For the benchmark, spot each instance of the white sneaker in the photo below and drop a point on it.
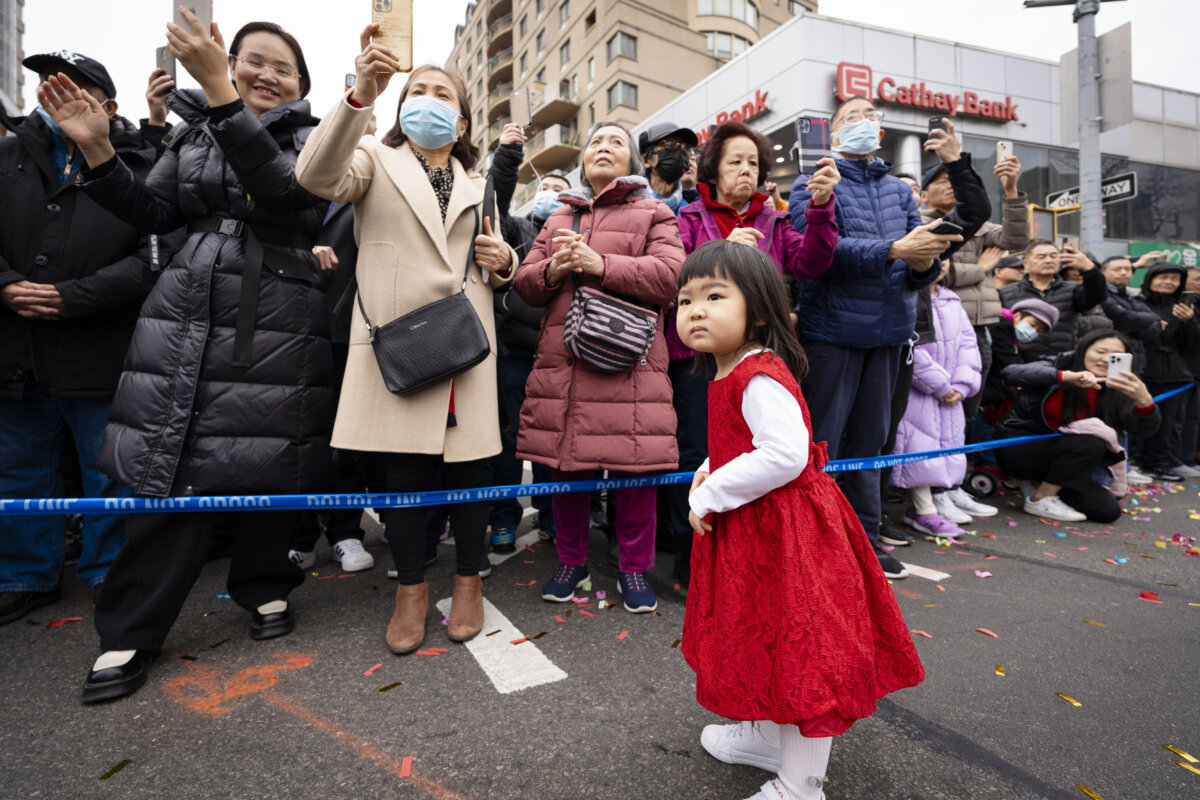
(1052, 507)
(961, 500)
(1028, 489)
(740, 743)
(773, 790)
(945, 506)
(1186, 471)
(302, 558)
(353, 556)
(1135, 477)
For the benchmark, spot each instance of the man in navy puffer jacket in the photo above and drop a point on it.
(856, 319)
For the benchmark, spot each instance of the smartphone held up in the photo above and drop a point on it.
(395, 21)
(202, 9)
(812, 143)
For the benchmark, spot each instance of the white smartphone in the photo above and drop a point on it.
(1119, 362)
(1003, 150)
(165, 61)
(395, 21)
(203, 9)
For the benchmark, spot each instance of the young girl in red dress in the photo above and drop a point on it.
(791, 625)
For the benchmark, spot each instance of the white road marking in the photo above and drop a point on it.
(510, 667)
(925, 572)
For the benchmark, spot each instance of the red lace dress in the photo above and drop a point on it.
(789, 616)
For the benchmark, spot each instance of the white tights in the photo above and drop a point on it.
(800, 758)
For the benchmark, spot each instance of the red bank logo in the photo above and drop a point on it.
(853, 79)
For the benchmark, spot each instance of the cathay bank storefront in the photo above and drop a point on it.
(1152, 133)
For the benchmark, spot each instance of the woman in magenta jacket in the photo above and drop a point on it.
(735, 163)
(576, 419)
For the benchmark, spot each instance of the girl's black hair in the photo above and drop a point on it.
(1112, 407)
(768, 317)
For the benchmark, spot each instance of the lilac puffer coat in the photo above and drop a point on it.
(952, 362)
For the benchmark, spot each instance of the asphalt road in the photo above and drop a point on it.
(296, 717)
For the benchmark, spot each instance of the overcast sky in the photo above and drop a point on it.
(124, 35)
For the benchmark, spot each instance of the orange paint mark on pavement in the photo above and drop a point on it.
(401, 769)
(203, 691)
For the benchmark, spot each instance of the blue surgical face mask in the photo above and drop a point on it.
(858, 138)
(429, 122)
(49, 120)
(1025, 331)
(545, 203)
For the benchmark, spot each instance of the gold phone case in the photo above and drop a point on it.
(395, 21)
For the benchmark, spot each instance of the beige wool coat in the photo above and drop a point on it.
(407, 257)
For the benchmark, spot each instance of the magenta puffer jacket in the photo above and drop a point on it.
(575, 417)
(952, 362)
(802, 255)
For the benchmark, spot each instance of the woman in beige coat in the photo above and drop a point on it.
(413, 196)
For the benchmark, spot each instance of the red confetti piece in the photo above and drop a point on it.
(921, 633)
(986, 632)
(299, 661)
(989, 558)
(432, 651)
(622, 634)
(1114, 563)
(58, 623)
(519, 641)
(348, 575)
(941, 588)
(1149, 597)
(372, 670)
(326, 577)
(1051, 555)
(586, 613)
(406, 766)
(1082, 548)
(559, 619)
(989, 536)
(531, 583)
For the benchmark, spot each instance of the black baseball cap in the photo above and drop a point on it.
(665, 130)
(931, 174)
(90, 68)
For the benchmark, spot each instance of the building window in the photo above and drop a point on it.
(479, 88)
(524, 63)
(479, 118)
(479, 57)
(622, 93)
(589, 20)
(591, 71)
(743, 10)
(479, 27)
(541, 6)
(468, 73)
(564, 13)
(794, 7)
(591, 115)
(523, 26)
(725, 45)
(540, 77)
(622, 44)
(575, 86)
(564, 53)
(541, 42)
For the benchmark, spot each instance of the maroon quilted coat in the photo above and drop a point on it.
(577, 418)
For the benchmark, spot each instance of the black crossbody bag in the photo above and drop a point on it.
(433, 343)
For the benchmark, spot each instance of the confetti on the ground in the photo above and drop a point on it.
(188, 658)
(303, 661)
(531, 583)
(1088, 792)
(120, 766)
(58, 623)
(930, 605)
(390, 686)
(981, 574)
(218, 644)
(1163, 545)
(223, 597)
(1051, 555)
(1149, 597)
(989, 536)
(587, 587)
(1187, 766)
(1113, 562)
(406, 766)
(372, 670)
(1070, 700)
(559, 619)
(493, 633)
(1181, 754)
(941, 588)
(622, 634)
(676, 643)
(520, 641)
(586, 613)
(540, 635)
(1097, 624)
(601, 595)
(986, 632)
(921, 633)
(433, 651)
(1000, 670)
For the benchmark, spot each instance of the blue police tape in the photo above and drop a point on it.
(293, 502)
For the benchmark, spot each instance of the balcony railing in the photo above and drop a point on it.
(500, 24)
(501, 93)
(504, 56)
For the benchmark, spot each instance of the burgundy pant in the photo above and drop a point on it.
(635, 525)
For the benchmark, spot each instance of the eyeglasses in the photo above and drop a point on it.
(673, 144)
(859, 116)
(283, 71)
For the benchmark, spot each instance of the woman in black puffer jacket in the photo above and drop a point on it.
(227, 386)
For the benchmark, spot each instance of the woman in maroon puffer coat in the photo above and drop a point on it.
(577, 419)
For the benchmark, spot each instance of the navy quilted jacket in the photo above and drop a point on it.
(865, 299)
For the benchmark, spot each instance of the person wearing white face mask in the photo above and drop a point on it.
(418, 202)
(857, 318)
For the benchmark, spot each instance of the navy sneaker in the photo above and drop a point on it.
(504, 540)
(639, 597)
(561, 588)
(485, 565)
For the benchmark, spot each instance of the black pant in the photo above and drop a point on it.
(161, 559)
(983, 338)
(689, 388)
(411, 472)
(1160, 449)
(1067, 461)
(898, 406)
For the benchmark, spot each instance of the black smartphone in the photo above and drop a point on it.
(812, 143)
(936, 124)
(946, 228)
(165, 61)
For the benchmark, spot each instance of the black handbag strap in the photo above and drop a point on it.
(466, 275)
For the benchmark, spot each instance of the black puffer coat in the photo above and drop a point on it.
(185, 418)
(1071, 300)
(517, 322)
(1168, 351)
(52, 232)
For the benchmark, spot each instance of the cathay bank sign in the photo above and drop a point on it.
(855, 79)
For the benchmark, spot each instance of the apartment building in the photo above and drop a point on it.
(12, 78)
(587, 60)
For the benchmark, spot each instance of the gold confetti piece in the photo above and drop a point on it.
(1000, 670)
(1088, 792)
(493, 633)
(127, 762)
(1097, 624)
(1182, 754)
(390, 686)
(1194, 604)
(1188, 767)
(676, 643)
(1070, 700)
(931, 605)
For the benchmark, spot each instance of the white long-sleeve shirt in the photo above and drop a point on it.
(780, 451)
